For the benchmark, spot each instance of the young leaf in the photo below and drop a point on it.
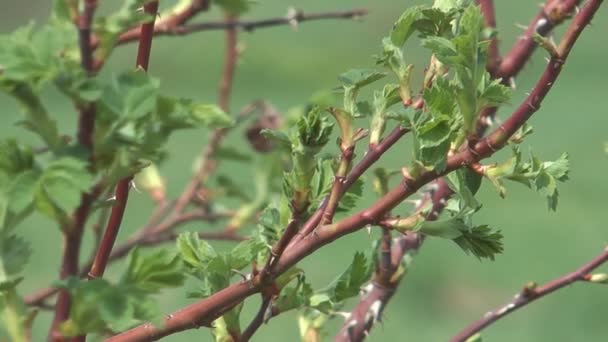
(481, 241)
(153, 272)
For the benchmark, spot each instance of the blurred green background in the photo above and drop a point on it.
(446, 289)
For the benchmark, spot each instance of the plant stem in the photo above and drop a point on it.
(86, 124)
(528, 295)
(489, 15)
(122, 188)
(178, 27)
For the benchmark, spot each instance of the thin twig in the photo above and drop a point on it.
(122, 189)
(257, 321)
(86, 124)
(293, 18)
(489, 15)
(529, 294)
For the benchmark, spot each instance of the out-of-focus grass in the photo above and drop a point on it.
(446, 289)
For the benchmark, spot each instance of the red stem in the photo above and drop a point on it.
(487, 8)
(86, 126)
(552, 14)
(122, 189)
(529, 295)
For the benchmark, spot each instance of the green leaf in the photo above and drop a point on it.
(194, 251)
(244, 253)
(450, 229)
(465, 183)
(492, 92)
(132, 95)
(98, 306)
(481, 241)
(541, 176)
(154, 272)
(293, 297)
(404, 27)
(432, 138)
(278, 138)
(22, 190)
(358, 78)
(15, 158)
(439, 99)
(346, 285)
(269, 226)
(14, 255)
(210, 115)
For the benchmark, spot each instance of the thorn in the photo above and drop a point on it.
(416, 203)
(488, 121)
(246, 277)
(367, 289)
(133, 186)
(542, 22)
(369, 230)
(113, 198)
(374, 311)
(512, 83)
(292, 17)
(344, 314)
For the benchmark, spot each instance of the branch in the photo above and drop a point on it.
(529, 294)
(86, 125)
(122, 189)
(176, 19)
(553, 13)
(259, 318)
(386, 280)
(489, 15)
(522, 50)
(356, 327)
(224, 92)
(205, 311)
(293, 18)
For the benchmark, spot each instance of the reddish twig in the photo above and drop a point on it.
(86, 125)
(489, 15)
(260, 317)
(122, 188)
(553, 13)
(168, 23)
(175, 27)
(529, 294)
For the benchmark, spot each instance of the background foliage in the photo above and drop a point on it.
(445, 290)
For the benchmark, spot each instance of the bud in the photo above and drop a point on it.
(150, 181)
(599, 278)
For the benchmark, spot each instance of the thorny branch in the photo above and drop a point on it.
(86, 124)
(530, 293)
(357, 332)
(176, 25)
(205, 311)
